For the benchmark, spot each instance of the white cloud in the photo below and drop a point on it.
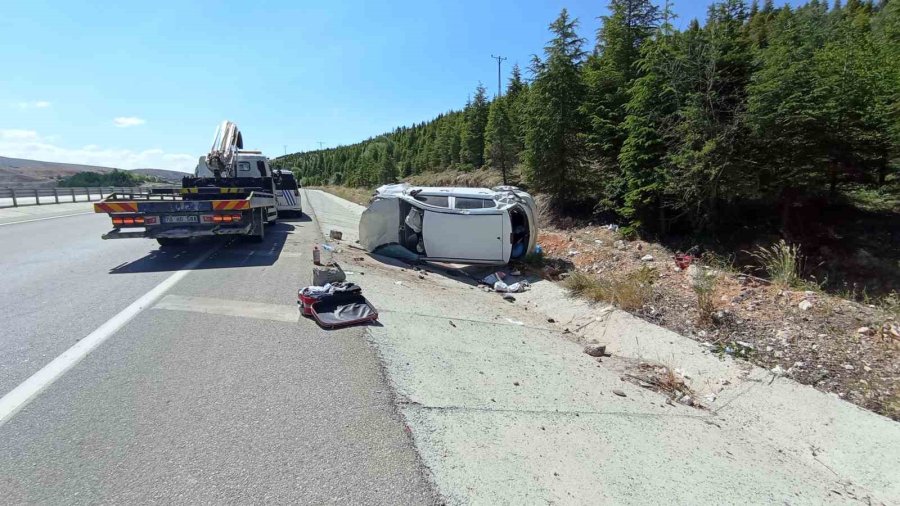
(16, 143)
(128, 121)
(37, 104)
(14, 134)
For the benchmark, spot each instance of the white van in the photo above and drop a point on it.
(287, 194)
(466, 225)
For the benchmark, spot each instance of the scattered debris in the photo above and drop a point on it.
(508, 297)
(452, 324)
(335, 234)
(502, 287)
(515, 322)
(660, 378)
(595, 350)
(619, 393)
(805, 305)
(335, 305)
(619, 245)
(515, 383)
(866, 331)
(325, 274)
(647, 258)
(551, 320)
(682, 261)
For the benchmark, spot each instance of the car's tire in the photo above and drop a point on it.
(172, 241)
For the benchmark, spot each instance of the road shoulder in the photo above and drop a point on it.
(505, 406)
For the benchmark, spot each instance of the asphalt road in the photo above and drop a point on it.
(214, 391)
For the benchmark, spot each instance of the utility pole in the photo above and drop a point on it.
(320, 143)
(285, 150)
(499, 62)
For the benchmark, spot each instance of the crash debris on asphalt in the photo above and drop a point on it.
(335, 305)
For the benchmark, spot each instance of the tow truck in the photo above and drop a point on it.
(232, 192)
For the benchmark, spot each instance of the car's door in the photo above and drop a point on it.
(475, 236)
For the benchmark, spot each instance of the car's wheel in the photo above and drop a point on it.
(172, 241)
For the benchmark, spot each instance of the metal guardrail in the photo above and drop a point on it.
(16, 197)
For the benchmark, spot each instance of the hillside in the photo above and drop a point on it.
(169, 176)
(22, 172)
(19, 172)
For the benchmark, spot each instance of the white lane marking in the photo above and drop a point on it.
(47, 218)
(246, 309)
(20, 396)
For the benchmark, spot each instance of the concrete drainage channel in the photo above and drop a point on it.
(507, 408)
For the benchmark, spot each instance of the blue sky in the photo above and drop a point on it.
(124, 85)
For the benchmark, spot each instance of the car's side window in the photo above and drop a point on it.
(243, 166)
(434, 200)
(471, 203)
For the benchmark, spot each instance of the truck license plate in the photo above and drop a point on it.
(180, 219)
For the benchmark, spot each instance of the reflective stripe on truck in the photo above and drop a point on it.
(117, 207)
(172, 206)
(230, 205)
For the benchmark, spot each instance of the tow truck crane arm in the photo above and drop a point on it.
(224, 150)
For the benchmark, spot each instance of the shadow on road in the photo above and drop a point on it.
(303, 218)
(233, 252)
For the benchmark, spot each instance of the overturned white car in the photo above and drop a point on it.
(466, 225)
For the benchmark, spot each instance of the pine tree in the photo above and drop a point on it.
(499, 139)
(854, 81)
(517, 103)
(608, 75)
(515, 84)
(472, 150)
(708, 162)
(781, 111)
(388, 170)
(553, 151)
(649, 127)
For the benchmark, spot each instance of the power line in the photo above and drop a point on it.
(499, 62)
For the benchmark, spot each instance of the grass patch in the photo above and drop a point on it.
(361, 196)
(782, 262)
(628, 292)
(704, 285)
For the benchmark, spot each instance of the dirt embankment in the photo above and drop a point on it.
(837, 345)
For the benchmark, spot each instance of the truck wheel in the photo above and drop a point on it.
(259, 230)
(171, 241)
